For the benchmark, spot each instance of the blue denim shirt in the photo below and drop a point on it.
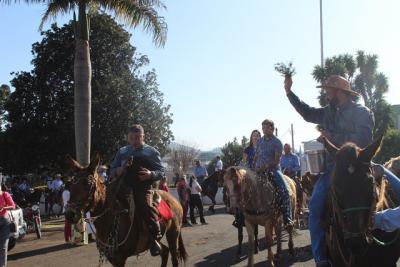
(290, 162)
(250, 152)
(265, 152)
(147, 152)
(200, 171)
(350, 123)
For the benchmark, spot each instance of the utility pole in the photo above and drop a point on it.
(292, 133)
(321, 32)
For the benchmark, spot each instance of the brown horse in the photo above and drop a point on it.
(210, 187)
(255, 198)
(354, 197)
(120, 234)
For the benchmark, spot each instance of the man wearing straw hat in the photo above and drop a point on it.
(341, 121)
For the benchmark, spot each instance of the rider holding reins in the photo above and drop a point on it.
(137, 148)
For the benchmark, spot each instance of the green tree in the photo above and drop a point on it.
(232, 152)
(390, 146)
(41, 109)
(364, 77)
(4, 94)
(133, 13)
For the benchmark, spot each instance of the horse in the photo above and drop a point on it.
(355, 195)
(210, 187)
(120, 233)
(256, 199)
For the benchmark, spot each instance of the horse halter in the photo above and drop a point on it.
(343, 212)
(92, 188)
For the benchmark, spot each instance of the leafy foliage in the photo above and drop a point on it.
(40, 126)
(390, 146)
(287, 70)
(232, 152)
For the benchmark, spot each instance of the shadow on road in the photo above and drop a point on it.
(225, 257)
(40, 251)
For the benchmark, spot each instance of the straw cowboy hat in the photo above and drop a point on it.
(58, 175)
(338, 82)
(103, 167)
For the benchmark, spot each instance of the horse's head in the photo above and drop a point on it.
(353, 192)
(232, 181)
(82, 190)
(308, 181)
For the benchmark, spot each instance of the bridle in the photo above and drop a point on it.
(88, 205)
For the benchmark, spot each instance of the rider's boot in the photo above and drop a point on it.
(155, 236)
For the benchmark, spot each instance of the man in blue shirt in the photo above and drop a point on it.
(268, 154)
(290, 163)
(200, 172)
(138, 149)
(341, 121)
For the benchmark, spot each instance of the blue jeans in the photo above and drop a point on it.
(316, 208)
(283, 195)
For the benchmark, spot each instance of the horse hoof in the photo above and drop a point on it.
(237, 258)
(256, 251)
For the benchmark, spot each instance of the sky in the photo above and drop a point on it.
(217, 67)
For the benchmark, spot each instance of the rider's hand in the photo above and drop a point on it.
(145, 174)
(288, 84)
(1, 209)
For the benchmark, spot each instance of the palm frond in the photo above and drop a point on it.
(55, 8)
(140, 12)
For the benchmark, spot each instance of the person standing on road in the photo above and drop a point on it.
(183, 193)
(195, 200)
(6, 204)
(67, 225)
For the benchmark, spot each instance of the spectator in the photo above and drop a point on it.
(176, 179)
(183, 193)
(200, 172)
(163, 184)
(6, 204)
(24, 186)
(67, 225)
(195, 200)
(218, 164)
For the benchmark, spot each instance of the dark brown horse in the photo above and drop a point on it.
(120, 234)
(210, 187)
(354, 197)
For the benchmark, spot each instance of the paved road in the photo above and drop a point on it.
(209, 245)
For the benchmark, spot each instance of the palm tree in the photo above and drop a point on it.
(131, 12)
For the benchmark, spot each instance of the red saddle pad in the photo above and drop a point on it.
(165, 211)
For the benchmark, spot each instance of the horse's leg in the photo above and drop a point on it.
(250, 252)
(213, 204)
(277, 224)
(164, 255)
(256, 239)
(240, 239)
(173, 239)
(290, 242)
(269, 241)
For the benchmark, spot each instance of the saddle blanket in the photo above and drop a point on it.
(165, 211)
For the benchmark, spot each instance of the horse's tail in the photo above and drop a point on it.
(182, 250)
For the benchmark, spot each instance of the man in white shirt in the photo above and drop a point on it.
(195, 200)
(218, 164)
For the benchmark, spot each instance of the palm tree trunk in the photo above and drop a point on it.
(82, 91)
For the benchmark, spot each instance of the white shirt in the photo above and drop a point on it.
(218, 165)
(65, 198)
(193, 189)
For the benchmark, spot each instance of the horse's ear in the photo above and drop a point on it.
(331, 148)
(73, 164)
(94, 164)
(369, 152)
